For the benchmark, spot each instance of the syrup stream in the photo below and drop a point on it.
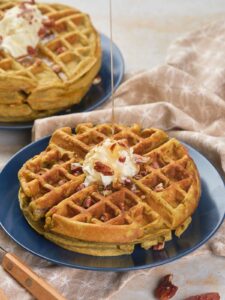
(112, 66)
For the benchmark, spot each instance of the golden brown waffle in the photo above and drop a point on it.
(109, 221)
(60, 73)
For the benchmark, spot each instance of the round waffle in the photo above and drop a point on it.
(60, 72)
(109, 221)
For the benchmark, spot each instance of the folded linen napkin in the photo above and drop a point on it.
(186, 96)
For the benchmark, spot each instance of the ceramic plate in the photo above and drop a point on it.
(97, 94)
(206, 220)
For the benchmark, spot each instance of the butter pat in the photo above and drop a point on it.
(19, 29)
(111, 161)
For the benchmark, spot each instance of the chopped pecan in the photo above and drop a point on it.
(122, 159)
(56, 68)
(97, 80)
(208, 296)
(42, 32)
(38, 62)
(158, 247)
(88, 202)
(102, 168)
(159, 187)
(26, 61)
(121, 205)
(133, 188)
(166, 289)
(127, 181)
(112, 146)
(31, 50)
(80, 187)
(49, 23)
(60, 50)
(141, 159)
(143, 173)
(105, 217)
(62, 181)
(76, 168)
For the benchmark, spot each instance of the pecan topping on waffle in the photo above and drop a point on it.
(102, 168)
(159, 187)
(122, 159)
(88, 202)
(141, 159)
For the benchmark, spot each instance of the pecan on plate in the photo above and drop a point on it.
(207, 296)
(166, 289)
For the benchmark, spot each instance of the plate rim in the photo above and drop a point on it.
(118, 54)
(116, 269)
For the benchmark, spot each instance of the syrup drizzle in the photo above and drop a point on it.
(112, 67)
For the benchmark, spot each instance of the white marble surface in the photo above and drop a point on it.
(143, 30)
(200, 276)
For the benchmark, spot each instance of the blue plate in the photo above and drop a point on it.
(97, 94)
(206, 220)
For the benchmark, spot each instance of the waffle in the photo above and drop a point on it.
(59, 74)
(97, 220)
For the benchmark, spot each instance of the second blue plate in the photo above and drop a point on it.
(97, 94)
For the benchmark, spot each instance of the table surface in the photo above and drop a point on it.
(143, 30)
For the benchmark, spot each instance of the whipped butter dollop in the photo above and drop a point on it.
(19, 29)
(109, 162)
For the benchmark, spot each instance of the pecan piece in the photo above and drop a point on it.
(158, 247)
(30, 50)
(122, 159)
(88, 202)
(141, 159)
(159, 187)
(207, 296)
(102, 168)
(60, 50)
(112, 146)
(42, 32)
(56, 68)
(97, 80)
(127, 181)
(105, 217)
(76, 168)
(49, 23)
(62, 181)
(80, 187)
(166, 289)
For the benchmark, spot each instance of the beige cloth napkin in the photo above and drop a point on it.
(186, 96)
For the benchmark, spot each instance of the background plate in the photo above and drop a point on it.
(97, 94)
(206, 220)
